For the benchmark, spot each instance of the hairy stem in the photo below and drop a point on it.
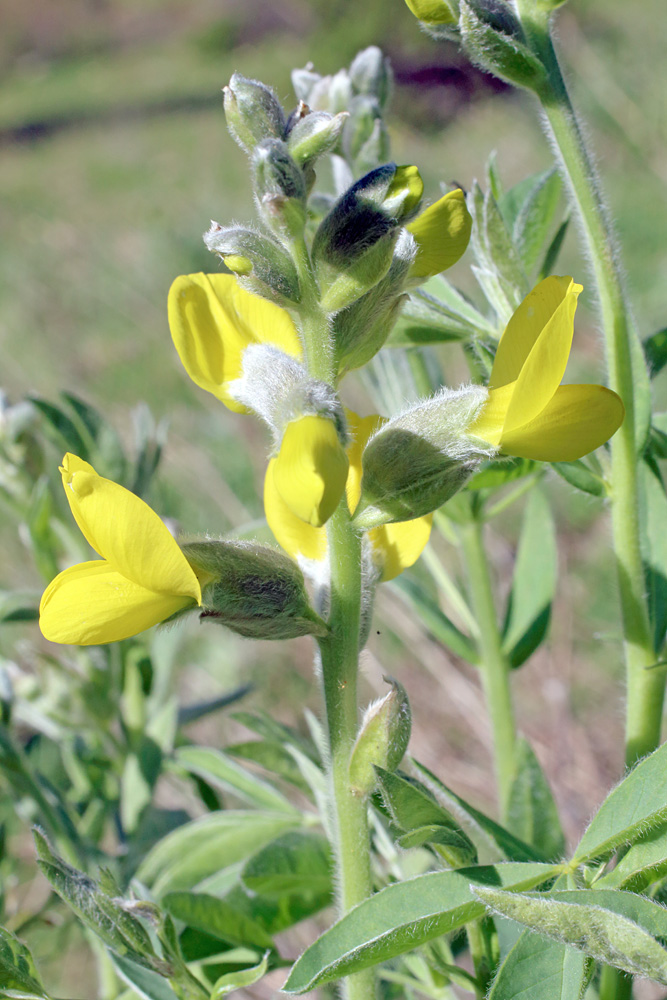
(494, 667)
(340, 656)
(645, 688)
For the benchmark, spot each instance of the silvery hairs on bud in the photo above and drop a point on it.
(419, 459)
(279, 389)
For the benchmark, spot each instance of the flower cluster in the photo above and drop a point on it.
(308, 301)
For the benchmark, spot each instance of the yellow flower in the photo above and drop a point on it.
(142, 578)
(212, 321)
(529, 413)
(310, 471)
(394, 546)
(433, 12)
(442, 233)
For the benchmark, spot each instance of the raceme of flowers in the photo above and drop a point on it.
(142, 578)
(529, 413)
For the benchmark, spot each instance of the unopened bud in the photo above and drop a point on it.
(370, 73)
(419, 459)
(434, 12)
(354, 245)
(253, 112)
(314, 134)
(311, 469)
(280, 187)
(259, 261)
(360, 330)
(365, 122)
(253, 590)
(499, 50)
(383, 738)
(303, 81)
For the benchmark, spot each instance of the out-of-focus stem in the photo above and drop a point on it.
(494, 666)
(645, 688)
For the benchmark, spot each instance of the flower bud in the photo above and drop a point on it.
(254, 590)
(311, 469)
(370, 73)
(383, 738)
(280, 188)
(303, 82)
(314, 134)
(434, 12)
(419, 459)
(253, 112)
(354, 245)
(360, 330)
(260, 262)
(499, 50)
(364, 124)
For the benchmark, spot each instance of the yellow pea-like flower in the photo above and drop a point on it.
(141, 579)
(529, 413)
(394, 546)
(212, 321)
(433, 12)
(311, 469)
(442, 233)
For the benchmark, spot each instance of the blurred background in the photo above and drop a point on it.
(113, 159)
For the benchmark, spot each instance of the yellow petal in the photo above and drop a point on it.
(311, 469)
(91, 603)
(442, 233)
(292, 534)
(398, 546)
(360, 429)
(212, 320)
(490, 422)
(126, 532)
(404, 193)
(576, 421)
(543, 369)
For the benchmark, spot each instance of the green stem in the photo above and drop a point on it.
(495, 668)
(339, 651)
(645, 688)
(340, 657)
(614, 984)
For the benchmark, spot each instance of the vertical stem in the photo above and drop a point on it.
(645, 688)
(495, 668)
(340, 656)
(339, 651)
(614, 984)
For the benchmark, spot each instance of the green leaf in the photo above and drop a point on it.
(637, 805)
(536, 216)
(423, 320)
(203, 847)
(494, 474)
(148, 984)
(532, 812)
(483, 831)
(17, 968)
(221, 771)
(140, 773)
(238, 980)
(273, 757)
(61, 428)
(553, 250)
(655, 351)
(501, 272)
(113, 923)
(39, 523)
(579, 475)
(433, 618)
(271, 729)
(415, 812)
(617, 928)
(534, 582)
(218, 917)
(439, 289)
(655, 552)
(402, 917)
(641, 865)
(297, 862)
(109, 456)
(540, 969)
